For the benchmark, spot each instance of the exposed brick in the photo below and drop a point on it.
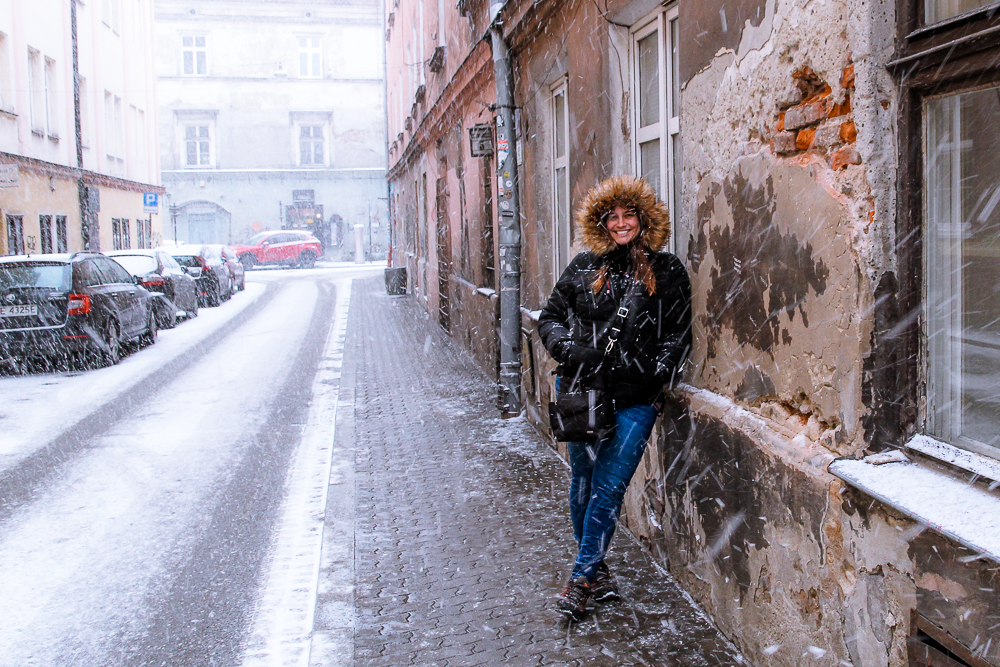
(845, 156)
(847, 80)
(783, 143)
(827, 134)
(806, 114)
(842, 108)
(780, 125)
(804, 139)
(848, 132)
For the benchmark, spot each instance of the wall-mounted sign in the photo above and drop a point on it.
(9, 176)
(481, 140)
(150, 202)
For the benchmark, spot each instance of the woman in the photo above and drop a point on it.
(624, 227)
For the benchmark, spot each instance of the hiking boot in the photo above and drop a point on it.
(573, 600)
(604, 588)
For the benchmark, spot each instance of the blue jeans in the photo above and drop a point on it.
(601, 474)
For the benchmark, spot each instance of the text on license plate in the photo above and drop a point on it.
(20, 310)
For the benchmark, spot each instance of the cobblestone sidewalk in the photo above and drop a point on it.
(462, 532)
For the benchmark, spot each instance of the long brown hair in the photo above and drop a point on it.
(639, 261)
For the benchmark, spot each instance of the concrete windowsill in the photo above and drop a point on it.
(937, 498)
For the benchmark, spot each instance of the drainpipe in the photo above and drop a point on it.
(81, 187)
(509, 225)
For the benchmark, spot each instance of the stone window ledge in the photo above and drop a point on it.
(943, 498)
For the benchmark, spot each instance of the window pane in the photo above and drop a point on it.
(314, 42)
(315, 65)
(189, 131)
(963, 276)
(202, 63)
(189, 62)
(187, 41)
(192, 153)
(939, 10)
(318, 152)
(305, 152)
(204, 152)
(675, 72)
(199, 41)
(302, 42)
(649, 163)
(303, 64)
(560, 124)
(203, 131)
(649, 80)
(563, 239)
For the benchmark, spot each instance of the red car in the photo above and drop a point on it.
(287, 247)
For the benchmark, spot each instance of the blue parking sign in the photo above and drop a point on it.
(150, 201)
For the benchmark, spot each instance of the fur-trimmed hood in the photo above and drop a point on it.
(627, 192)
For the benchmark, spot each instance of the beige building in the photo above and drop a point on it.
(271, 116)
(77, 126)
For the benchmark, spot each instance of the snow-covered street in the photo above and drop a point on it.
(140, 502)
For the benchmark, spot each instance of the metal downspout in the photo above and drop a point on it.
(81, 186)
(509, 225)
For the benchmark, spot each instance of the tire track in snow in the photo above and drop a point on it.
(27, 478)
(204, 618)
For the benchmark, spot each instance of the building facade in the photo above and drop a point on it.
(77, 126)
(824, 480)
(271, 118)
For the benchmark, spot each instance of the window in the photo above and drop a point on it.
(310, 58)
(116, 234)
(311, 145)
(657, 92)
(15, 235)
(950, 198)
(939, 10)
(62, 244)
(6, 89)
(197, 146)
(126, 235)
(113, 125)
(962, 218)
(50, 98)
(194, 55)
(111, 14)
(45, 232)
(36, 91)
(119, 129)
(562, 237)
(140, 234)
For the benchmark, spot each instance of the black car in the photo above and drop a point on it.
(57, 306)
(173, 289)
(206, 266)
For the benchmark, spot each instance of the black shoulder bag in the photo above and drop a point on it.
(582, 414)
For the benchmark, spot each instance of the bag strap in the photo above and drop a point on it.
(626, 307)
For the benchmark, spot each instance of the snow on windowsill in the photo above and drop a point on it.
(945, 503)
(486, 291)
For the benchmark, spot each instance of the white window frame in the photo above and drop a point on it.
(310, 56)
(198, 140)
(6, 88)
(946, 226)
(662, 22)
(36, 93)
(194, 50)
(311, 162)
(562, 220)
(51, 107)
(300, 119)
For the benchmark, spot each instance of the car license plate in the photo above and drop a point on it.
(21, 310)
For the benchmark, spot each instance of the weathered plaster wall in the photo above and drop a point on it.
(787, 228)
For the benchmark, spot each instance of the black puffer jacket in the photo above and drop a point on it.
(574, 325)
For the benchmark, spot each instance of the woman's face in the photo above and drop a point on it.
(623, 225)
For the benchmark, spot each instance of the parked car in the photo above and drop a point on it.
(82, 304)
(160, 273)
(288, 247)
(237, 274)
(206, 267)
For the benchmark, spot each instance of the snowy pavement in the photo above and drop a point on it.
(312, 474)
(140, 503)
